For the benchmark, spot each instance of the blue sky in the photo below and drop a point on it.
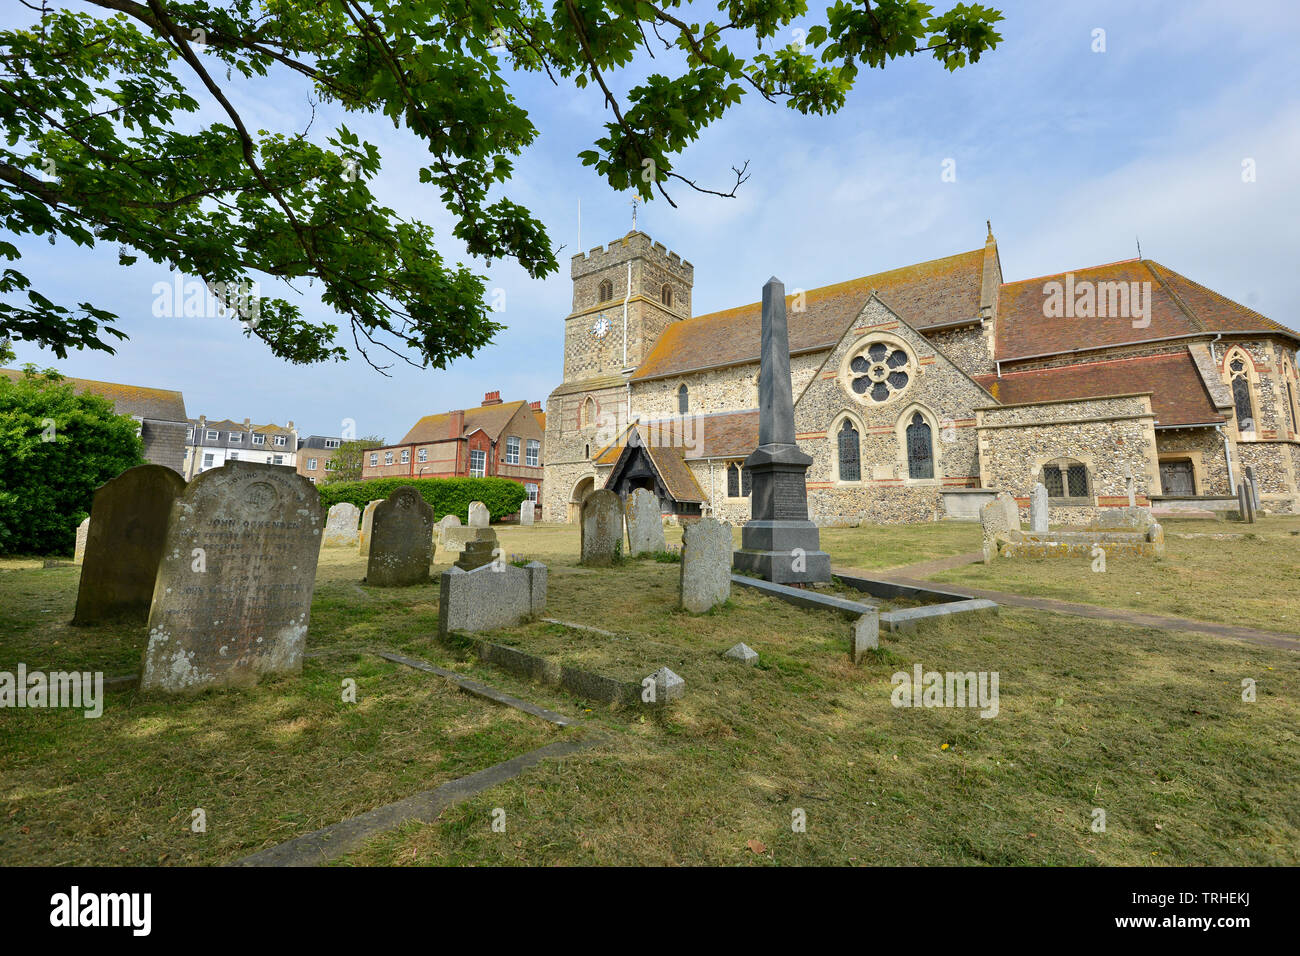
(1072, 154)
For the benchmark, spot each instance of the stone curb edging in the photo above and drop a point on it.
(334, 841)
(480, 689)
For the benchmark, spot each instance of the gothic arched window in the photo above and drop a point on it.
(920, 450)
(1241, 395)
(733, 480)
(849, 449)
(683, 400)
(666, 295)
(606, 290)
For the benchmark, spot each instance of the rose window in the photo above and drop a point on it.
(881, 372)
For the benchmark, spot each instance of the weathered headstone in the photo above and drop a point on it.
(744, 653)
(1254, 487)
(602, 527)
(480, 547)
(1135, 518)
(527, 512)
(1011, 509)
(1245, 503)
(490, 597)
(864, 635)
(779, 543)
(479, 516)
(994, 521)
(705, 578)
(401, 541)
(233, 595)
(79, 552)
(124, 544)
(367, 526)
(341, 526)
(1038, 509)
(448, 521)
(645, 524)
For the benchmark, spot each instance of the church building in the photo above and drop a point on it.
(922, 390)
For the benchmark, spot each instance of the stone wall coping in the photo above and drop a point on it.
(1139, 416)
(1062, 401)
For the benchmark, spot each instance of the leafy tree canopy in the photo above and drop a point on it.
(56, 447)
(347, 459)
(103, 144)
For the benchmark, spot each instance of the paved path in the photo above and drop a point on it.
(1254, 635)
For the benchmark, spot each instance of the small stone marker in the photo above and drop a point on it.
(1012, 510)
(125, 544)
(487, 598)
(705, 578)
(480, 548)
(479, 516)
(401, 541)
(1254, 487)
(865, 635)
(79, 552)
(367, 526)
(527, 512)
(668, 686)
(744, 653)
(233, 595)
(1245, 503)
(602, 527)
(1038, 509)
(994, 521)
(645, 525)
(341, 526)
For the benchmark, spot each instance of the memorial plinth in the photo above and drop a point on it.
(779, 543)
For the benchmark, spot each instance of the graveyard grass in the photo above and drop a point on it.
(1147, 725)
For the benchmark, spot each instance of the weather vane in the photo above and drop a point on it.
(635, 200)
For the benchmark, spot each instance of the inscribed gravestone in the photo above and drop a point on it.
(233, 595)
(80, 551)
(705, 579)
(125, 544)
(602, 527)
(341, 525)
(1038, 509)
(367, 526)
(401, 541)
(479, 516)
(645, 525)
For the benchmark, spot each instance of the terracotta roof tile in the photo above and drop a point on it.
(676, 474)
(491, 418)
(1178, 307)
(928, 293)
(156, 404)
(1179, 396)
(720, 435)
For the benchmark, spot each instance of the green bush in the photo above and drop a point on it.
(446, 496)
(56, 448)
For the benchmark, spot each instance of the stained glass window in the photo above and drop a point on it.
(920, 452)
(683, 400)
(733, 480)
(850, 468)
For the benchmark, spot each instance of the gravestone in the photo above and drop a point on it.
(341, 526)
(705, 578)
(668, 687)
(1245, 503)
(233, 595)
(487, 598)
(479, 516)
(779, 543)
(79, 552)
(1254, 487)
(994, 521)
(367, 526)
(1038, 509)
(401, 541)
(125, 543)
(645, 525)
(1011, 509)
(527, 512)
(448, 521)
(602, 527)
(480, 547)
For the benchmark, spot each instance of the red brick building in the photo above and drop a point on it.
(497, 439)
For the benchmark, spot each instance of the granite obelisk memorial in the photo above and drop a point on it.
(779, 543)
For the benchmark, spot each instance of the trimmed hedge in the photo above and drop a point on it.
(446, 496)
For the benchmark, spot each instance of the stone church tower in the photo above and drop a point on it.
(624, 296)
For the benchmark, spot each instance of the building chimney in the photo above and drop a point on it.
(456, 423)
(535, 406)
(492, 398)
(247, 422)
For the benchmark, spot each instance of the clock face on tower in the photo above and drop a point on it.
(601, 327)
